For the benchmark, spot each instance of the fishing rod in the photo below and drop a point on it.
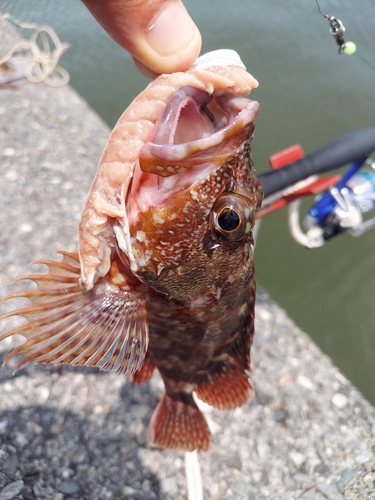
(342, 150)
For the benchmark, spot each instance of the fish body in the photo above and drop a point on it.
(165, 276)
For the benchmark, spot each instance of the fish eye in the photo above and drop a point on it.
(231, 217)
(228, 219)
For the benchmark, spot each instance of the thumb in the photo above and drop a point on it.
(159, 34)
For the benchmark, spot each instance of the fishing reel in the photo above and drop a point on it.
(339, 210)
(341, 201)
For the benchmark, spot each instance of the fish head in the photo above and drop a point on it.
(193, 198)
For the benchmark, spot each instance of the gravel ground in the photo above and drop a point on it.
(80, 434)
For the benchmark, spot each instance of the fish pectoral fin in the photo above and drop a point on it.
(226, 387)
(104, 327)
(177, 423)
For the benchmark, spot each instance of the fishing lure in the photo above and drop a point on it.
(337, 30)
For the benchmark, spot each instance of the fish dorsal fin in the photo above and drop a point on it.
(104, 327)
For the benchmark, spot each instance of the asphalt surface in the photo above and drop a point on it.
(81, 434)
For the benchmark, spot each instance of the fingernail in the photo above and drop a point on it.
(172, 31)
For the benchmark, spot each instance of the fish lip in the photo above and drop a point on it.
(177, 152)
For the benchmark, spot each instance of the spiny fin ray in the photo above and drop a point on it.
(104, 327)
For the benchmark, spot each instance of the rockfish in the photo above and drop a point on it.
(164, 276)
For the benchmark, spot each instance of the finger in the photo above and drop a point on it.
(145, 70)
(160, 34)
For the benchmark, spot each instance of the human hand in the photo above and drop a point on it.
(159, 34)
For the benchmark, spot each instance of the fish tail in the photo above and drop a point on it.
(177, 423)
(226, 386)
(104, 327)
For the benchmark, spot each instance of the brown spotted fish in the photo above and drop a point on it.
(164, 276)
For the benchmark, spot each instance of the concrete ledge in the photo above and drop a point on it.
(74, 433)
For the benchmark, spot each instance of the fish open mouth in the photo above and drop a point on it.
(195, 134)
(191, 126)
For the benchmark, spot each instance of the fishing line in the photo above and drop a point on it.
(337, 30)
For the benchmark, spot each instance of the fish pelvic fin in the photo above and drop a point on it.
(226, 386)
(145, 373)
(177, 423)
(105, 327)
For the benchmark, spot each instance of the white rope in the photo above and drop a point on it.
(193, 476)
(41, 63)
